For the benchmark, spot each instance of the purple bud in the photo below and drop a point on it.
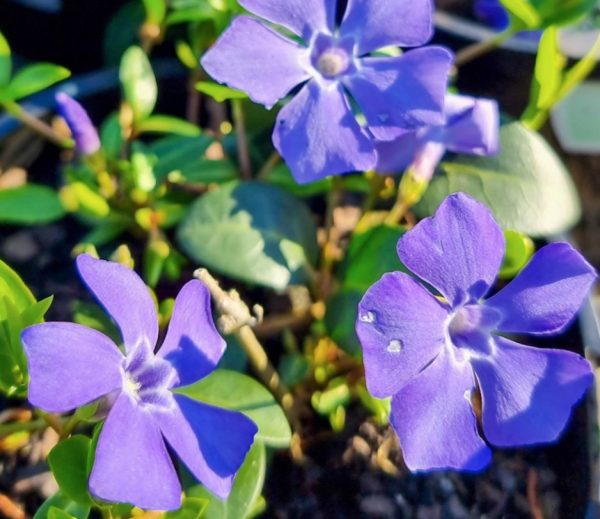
(86, 137)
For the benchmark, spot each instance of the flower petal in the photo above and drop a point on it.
(434, 419)
(379, 23)
(69, 365)
(251, 57)
(318, 136)
(124, 296)
(87, 140)
(473, 125)
(545, 297)
(407, 91)
(302, 17)
(401, 328)
(212, 442)
(192, 345)
(528, 392)
(132, 464)
(458, 251)
(396, 155)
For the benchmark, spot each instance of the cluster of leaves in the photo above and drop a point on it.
(179, 191)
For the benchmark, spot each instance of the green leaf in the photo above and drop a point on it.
(563, 12)
(519, 249)
(186, 55)
(191, 508)
(340, 320)
(5, 61)
(526, 186)
(293, 368)
(370, 255)
(57, 513)
(68, 462)
(168, 124)
(581, 70)
(246, 489)
(199, 13)
(155, 11)
(232, 390)
(138, 82)
(219, 93)
(30, 204)
(523, 13)
(251, 232)
(178, 154)
(63, 503)
(35, 78)
(111, 136)
(548, 68)
(13, 287)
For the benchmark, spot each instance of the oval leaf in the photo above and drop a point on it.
(35, 78)
(5, 61)
(246, 489)
(138, 82)
(526, 186)
(252, 232)
(232, 390)
(30, 204)
(68, 462)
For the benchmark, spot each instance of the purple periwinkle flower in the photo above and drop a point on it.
(71, 365)
(430, 355)
(471, 127)
(317, 132)
(493, 13)
(87, 141)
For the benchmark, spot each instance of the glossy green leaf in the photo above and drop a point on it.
(168, 124)
(178, 154)
(5, 61)
(519, 249)
(13, 287)
(246, 489)
(219, 93)
(252, 232)
(526, 185)
(30, 204)
(35, 78)
(522, 13)
(186, 55)
(548, 68)
(370, 255)
(201, 12)
(563, 12)
(68, 462)
(340, 320)
(142, 167)
(111, 136)
(191, 508)
(63, 503)
(155, 10)
(239, 392)
(138, 82)
(57, 513)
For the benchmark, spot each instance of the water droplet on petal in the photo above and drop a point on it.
(394, 346)
(368, 317)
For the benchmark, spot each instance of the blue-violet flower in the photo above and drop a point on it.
(71, 365)
(317, 132)
(471, 127)
(87, 141)
(432, 355)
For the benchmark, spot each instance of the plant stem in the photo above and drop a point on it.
(476, 50)
(14, 427)
(398, 211)
(69, 426)
(236, 318)
(268, 166)
(36, 125)
(239, 123)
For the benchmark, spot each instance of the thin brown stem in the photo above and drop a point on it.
(268, 166)
(239, 123)
(476, 50)
(36, 125)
